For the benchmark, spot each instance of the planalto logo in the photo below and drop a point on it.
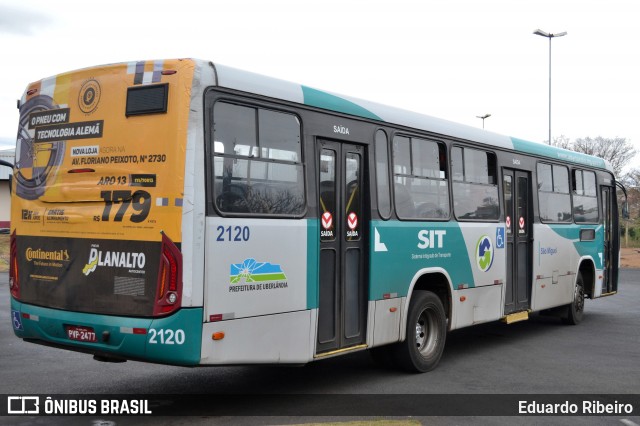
(252, 271)
(114, 259)
(484, 253)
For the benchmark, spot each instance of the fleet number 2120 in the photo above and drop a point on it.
(233, 233)
(166, 336)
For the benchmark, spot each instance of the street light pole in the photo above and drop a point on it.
(549, 36)
(483, 117)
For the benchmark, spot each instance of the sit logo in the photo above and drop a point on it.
(431, 238)
(484, 253)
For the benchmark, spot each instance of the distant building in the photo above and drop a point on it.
(5, 194)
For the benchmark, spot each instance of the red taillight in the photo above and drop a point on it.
(14, 283)
(169, 291)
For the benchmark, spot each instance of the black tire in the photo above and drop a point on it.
(575, 310)
(426, 334)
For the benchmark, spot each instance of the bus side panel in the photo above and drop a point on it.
(271, 339)
(557, 249)
(255, 267)
(400, 249)
(473, 254)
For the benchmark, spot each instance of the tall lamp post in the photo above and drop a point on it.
(549, 36)
(483, 118)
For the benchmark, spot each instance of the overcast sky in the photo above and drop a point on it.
(454, 59)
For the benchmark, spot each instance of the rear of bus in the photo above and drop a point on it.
(96, 262)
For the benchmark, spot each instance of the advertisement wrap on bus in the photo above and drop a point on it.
(188, 213)
(98, 193)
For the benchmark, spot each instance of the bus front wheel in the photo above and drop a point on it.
(426, 334)
(575, 310)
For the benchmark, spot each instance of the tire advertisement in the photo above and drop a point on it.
(99, 172)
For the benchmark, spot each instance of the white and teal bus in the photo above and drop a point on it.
(184, 212)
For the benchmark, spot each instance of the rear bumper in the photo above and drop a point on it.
(175, 339)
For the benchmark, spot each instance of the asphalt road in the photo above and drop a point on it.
(540, 356)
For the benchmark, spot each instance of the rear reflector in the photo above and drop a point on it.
(30, 316)
(130, 330)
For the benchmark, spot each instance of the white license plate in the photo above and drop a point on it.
(81, 334)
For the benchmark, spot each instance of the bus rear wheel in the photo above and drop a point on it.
(575, 310)
(426, 334)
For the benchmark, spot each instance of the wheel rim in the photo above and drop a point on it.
(426, 332)
(579, 298)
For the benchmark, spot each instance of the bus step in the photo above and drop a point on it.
(341, 351)
(515, 317)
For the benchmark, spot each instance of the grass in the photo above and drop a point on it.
(4, 253)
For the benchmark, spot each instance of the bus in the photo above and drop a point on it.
(187, 213)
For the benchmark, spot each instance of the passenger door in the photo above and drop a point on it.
(519, 235)
(609, 280)
(343, 228)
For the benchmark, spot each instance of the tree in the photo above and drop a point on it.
(617, 151)
(632, 178)
(562, 142)
(631, 181)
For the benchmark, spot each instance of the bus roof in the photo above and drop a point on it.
(271, 87)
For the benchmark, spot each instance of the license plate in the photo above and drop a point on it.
(81, 334)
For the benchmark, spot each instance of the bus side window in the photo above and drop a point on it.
(382, 175)
(475, 189)
(585, 199)
(257, 161)
(553, 193)
(420, 178)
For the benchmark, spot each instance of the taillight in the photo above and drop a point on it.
(169, 290)
(14, 283)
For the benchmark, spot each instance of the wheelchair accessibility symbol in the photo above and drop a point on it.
(15, 319)
(499, 238)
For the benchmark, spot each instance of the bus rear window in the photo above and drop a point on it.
(257, 161)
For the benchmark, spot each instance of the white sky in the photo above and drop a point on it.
(454, 59)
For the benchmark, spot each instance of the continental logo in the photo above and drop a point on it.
(39, 254)
(115, 259)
